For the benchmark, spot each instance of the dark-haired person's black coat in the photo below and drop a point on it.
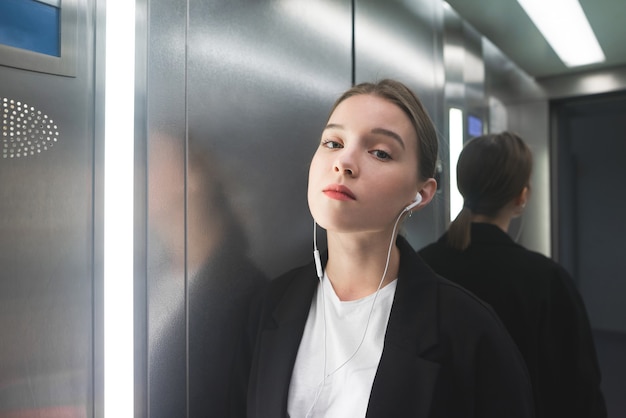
(445, 355)
(544, 313)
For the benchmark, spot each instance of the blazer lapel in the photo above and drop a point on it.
(405, 381)
(279, 342)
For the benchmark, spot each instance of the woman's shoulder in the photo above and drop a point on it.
(297, 279)
(455, 306)
(460, 306)
(303, 272)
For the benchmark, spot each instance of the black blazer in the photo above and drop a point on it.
(544, 313)
(446, 354)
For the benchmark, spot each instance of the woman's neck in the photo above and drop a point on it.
(356, 264)
(501, 221)
(503, 218)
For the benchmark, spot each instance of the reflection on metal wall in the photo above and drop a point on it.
(237, 96)
(46, 237)
(465, 82)
(402, 40)
(519, 104)
(487, 84)
(165, 235)
(236, 103)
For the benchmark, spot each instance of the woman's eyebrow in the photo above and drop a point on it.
(333, 126)
(390, 134)
(380, 131)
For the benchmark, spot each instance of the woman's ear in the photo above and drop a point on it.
(519, 203)
(428, 190)
(523, 197)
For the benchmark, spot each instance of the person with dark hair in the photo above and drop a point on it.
(534, 296)
(367, 329)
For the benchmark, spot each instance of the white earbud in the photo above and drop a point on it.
(316, 253)
(417, 201)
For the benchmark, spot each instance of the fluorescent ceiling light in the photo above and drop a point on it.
(566, 28)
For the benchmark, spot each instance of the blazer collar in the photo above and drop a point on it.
(405, 379)
(486, 233)
(404, 382)
(279, 342)
(414, 310)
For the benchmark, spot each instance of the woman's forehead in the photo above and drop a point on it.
(371, 113)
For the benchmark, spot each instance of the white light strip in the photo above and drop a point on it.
(118, 208)
(564, 25)
(456, 146)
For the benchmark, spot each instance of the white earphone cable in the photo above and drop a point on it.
(320, 386)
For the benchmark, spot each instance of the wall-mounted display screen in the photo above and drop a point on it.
(474, 126)
(31, 25)
(39, 35)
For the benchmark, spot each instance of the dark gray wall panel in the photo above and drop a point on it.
(46, 243)
(590, 154)
(402, 40)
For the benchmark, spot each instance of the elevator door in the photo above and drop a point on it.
(591, 150)
(591, 203)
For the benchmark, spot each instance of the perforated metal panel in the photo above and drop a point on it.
(26, 130)
(47, 226)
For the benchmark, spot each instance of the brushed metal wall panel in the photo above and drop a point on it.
(465, 81)
(403, 40)
(46, 245)
(166, 285)
(585, 84)
(505, 81)
(518, 103)
(485, 83)
(238, 92)
(261, 79)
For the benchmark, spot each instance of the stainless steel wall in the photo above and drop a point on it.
(464, 82)
(237, 95)
(47, 236)
(518, 103)
(233, 95)
(484, 82)
(403, 40)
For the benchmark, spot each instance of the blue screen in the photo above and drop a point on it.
(474, 126)
(28, 24)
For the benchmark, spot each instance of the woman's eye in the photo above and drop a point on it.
(329, 143)
(381, 155)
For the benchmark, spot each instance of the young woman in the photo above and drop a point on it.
(369, 330)
(534, 296)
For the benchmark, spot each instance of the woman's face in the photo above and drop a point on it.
(364, 172)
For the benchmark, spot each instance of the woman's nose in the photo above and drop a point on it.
(346, 164)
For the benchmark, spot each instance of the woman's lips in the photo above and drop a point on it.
(339, 192)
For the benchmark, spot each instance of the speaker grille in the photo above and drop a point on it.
(25, 130)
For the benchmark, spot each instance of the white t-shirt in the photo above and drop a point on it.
(346, 389)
